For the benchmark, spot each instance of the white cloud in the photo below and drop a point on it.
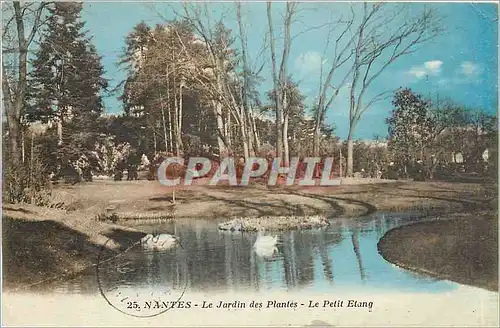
(470, 69)
(432, 67)
(418, 72)
(309, 62)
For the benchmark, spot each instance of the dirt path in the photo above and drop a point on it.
(143, 199)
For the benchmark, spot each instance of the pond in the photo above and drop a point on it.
(341, 256)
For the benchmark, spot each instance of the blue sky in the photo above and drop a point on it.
(461, 64)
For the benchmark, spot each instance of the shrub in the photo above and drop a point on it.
(26, 183)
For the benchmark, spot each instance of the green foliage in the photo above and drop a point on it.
(66, 79)
(26, 183)
(425, 136)
(65, 86)
(409, 126)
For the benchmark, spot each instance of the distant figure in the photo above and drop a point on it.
(144, 162)
(118, 171)
(132, 173)
(133, 162)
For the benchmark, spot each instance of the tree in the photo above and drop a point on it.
(382, 37)
(469, 132)
(429, 134)
(340, 55)
(16, 45)
(218, 79)
(299, 126)
(409, 127)
(248, 89)
(280, 77)
(67, 82)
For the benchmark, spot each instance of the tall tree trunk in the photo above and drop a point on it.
(14, 128)
(164, 123)
(286, 151)
(255, 134)
(32, 155)
(286, 154)
(340, 162)
(318, 120)
(179, 127)
(221, 142)
(244, 142)
(252, 145)
(176, 120)
(316, 140)
(350, 147)
(23, 141)
(60, 131)
(14, 117)
(277, 86)
(14, 97)
(13, 122)
(154, 140)
(228, 130)
(170, 142)
(249, 135)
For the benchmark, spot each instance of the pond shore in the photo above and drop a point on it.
(65, 241)
(461, 247)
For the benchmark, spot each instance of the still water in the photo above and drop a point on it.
(341, 256)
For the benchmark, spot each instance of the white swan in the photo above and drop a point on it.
(159, 242)
(265, 246)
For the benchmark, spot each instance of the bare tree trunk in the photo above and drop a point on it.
(23, 146)
(15, 117)
(13, 121)
(340, 161)
(369, 44)
(255, 133)
(286, 154)
(154, 140)
(286, 151)
(59, 131)
(277, 86)
(280, 80)
(316, 139)
(350, 147)
(14, 96)
(171, 146)
(164, 123)
(179, 128)
(244, 141)
(229, 137)
(221, 132)
(176, 120)
(248, 113)
(249, 136)
(31, 165)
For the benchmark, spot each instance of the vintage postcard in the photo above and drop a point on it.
(249, 164)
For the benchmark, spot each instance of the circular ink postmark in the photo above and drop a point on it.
(141, 284)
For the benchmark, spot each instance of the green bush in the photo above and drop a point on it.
(26, 183)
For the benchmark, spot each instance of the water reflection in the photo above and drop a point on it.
(343, 255)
